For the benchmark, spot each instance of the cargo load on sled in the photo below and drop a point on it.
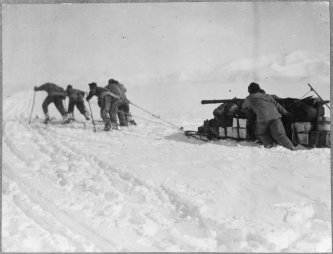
(308, 125)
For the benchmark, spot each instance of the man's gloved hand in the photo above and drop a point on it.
(35, 88)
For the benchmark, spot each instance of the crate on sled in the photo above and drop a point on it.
(239, 130)
(239, 122)
(300, 132)
(320, 139)
(301, 127)
(239, 133)
(225, 132)
(323, 124)
(300, 138)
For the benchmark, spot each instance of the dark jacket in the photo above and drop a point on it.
(123, 91)
(52, 89)
(100, 92)
(75, 95)
(113, 89)
(118, 89)
(264, 106)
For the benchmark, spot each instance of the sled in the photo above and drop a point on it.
(231, 122)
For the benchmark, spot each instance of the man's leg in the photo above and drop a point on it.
(58, 101)
(105, 108)
(45, 106)
(114, 102)
(279, 135)
(71, 105)
(46, 103)
(128, 115)
(121, 115)
(263, 136)
(80, 106)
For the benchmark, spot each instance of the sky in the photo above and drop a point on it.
(138, 43)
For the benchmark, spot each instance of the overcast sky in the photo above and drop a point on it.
(81, 43)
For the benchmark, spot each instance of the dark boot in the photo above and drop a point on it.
(65, 119)
(107, 126)
(132, 122)
(114, 126)
(47, 118)
(86, 115)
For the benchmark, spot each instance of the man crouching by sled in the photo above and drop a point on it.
(108, 103)
(268, 126)
(55, 94)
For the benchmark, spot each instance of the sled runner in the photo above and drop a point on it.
(196, 135)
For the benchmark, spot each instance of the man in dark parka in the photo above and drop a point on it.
(268, 126)
(108, 102)
(56, 95)
(76, 99)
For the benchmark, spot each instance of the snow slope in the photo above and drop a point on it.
(149, 188)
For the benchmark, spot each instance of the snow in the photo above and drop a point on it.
(150, 188)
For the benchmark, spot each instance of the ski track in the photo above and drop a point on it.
(52, 219)
(92, 204)
(38, 198)
(137, 188)
(133, 188)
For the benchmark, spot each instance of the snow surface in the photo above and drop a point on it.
(150, 188)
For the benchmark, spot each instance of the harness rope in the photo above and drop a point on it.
(158, 117)
(139, 117)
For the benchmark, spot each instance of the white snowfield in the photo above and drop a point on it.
(150, 188)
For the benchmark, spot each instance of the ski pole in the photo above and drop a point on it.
(92, 117)
(318, 96)
(158, 117)
(32, 107)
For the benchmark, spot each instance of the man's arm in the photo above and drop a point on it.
(90, 95)
(80, 92)
(246, 104)
(39, 88)
(280, 108)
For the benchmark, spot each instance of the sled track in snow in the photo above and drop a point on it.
(133, 190)
(76, 172)
(178, 208)
(65, 220)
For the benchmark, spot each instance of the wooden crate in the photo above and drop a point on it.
(302, 138)
(241, 133)
(320, 138)
(242, 122)
(323, 124)
(222, 132)
(303, 127)
(229, 132)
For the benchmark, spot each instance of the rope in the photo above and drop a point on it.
(158, 117)
(305, 95)
(162, 124)
(300, 99)
(318, 96)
